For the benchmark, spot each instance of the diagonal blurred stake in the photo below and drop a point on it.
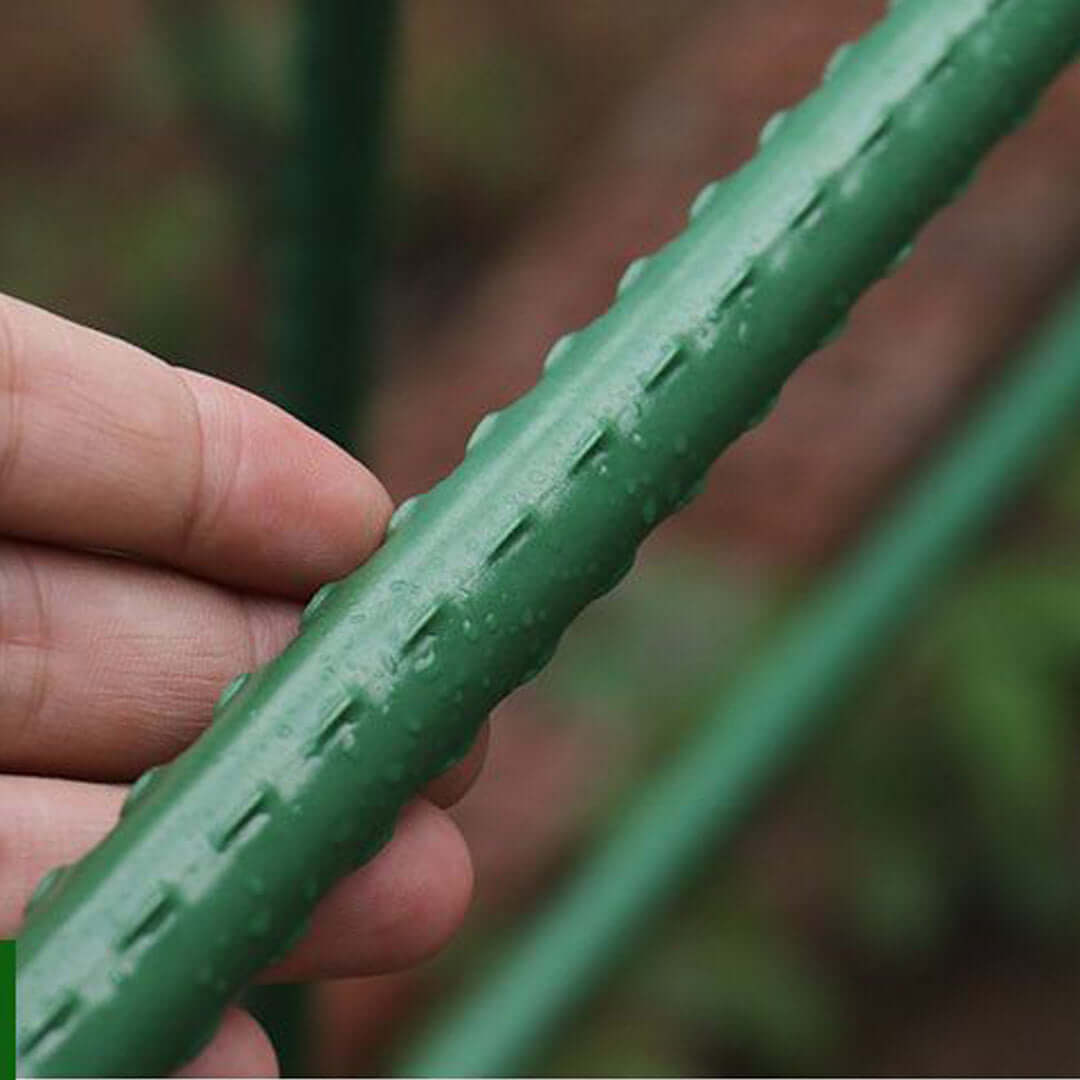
(128, 958)
(673, 829)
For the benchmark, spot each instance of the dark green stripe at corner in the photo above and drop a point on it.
(7, 1010)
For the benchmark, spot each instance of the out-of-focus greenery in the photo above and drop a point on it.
(940, 812)
(934, 823)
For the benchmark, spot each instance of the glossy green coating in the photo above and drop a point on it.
(128, 959)
(673, 829)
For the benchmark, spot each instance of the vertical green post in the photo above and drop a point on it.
(785, 698)
(322, 333)
(323, 330)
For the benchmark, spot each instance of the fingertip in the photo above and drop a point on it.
(394, 912)
(439, 891)
(131, 455)
(239, 1048)
(348, 514)
(452, 786)
(285, 509)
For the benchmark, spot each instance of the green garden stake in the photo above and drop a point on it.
(674, 826)
(127, 960)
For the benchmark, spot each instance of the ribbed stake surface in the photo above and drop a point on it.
(128, 958)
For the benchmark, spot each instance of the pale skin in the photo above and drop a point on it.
(229, 513)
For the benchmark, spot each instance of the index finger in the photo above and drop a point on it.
(105, 446)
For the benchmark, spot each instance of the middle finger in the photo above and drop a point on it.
(109, 666)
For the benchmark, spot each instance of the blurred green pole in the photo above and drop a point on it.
(322, 339)
(673, 830)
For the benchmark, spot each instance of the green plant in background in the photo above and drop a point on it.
(898, 801)
(976, 739)
(722, 981)
(217, 75)
(980, 747)
(224, 86)
(398, 664)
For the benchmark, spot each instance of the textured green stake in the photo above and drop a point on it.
(322, 336)
(672, 832)
(128, 957)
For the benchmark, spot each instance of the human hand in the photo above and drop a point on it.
(228, 514)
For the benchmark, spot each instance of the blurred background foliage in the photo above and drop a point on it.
(918, 871)
(907, 901)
